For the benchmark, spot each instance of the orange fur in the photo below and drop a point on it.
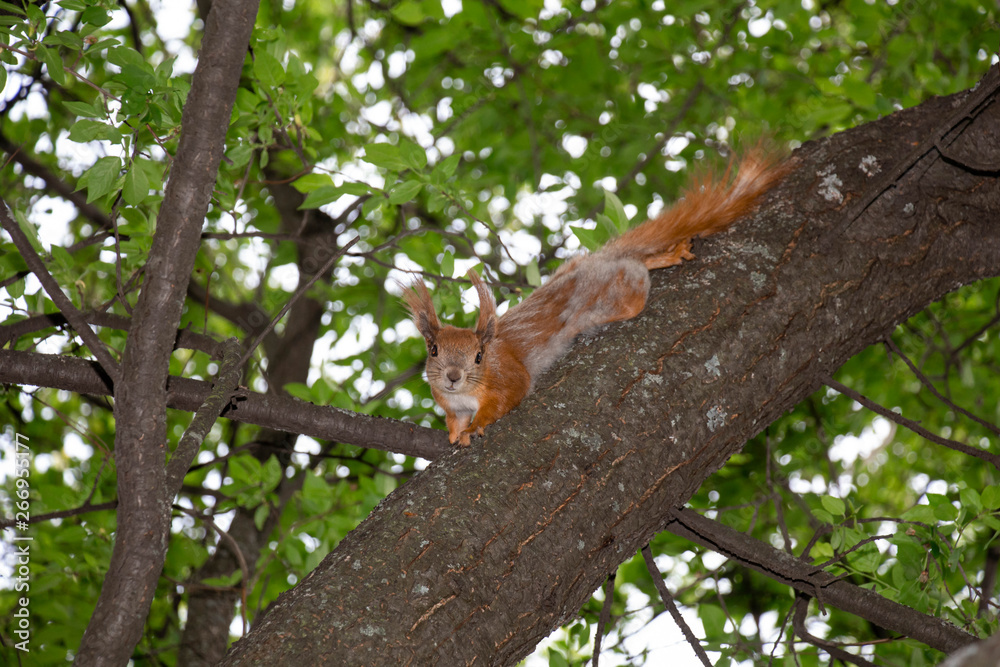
(477, 376)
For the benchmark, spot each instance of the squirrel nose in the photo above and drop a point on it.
(454, 375)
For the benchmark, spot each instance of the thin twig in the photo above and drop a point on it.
(196, 432)
(799, 623)
(668, 601)
(295, 297)
(53, 289)
(927, 383)
(62, 514)
(605, 617)
(912, 425)
(234, 548)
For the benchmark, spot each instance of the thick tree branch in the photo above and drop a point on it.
(278, 412)
(140, 398)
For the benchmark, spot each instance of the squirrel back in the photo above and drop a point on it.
(477, 376)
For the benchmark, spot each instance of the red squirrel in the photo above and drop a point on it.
(479, 375)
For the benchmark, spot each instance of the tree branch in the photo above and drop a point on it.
(52, 288)
(140, 398)
(825, 587)
(220, 394)
(988, 457)
(668, 602)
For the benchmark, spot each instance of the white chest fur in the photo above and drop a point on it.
(460, 404)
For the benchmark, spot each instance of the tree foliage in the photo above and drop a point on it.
(503, 135)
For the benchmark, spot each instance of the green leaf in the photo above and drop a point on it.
(414, 156)
(607, 227)
(408, 12)
(70, 40)
(615, 211)
(268, 69)
(991, 497)
(260, 515)
(822, 552)
(920, 514)
(19, 11)
(137, 77)
(310, 182)
(61, 257)
(405, 192)
(591, 239)
(713, 618)
(834, 506)
(824, 516)
(271, 473)
(299, 390)
(448, 265)
(357, 189)
(240, 154)
(532, 273)
(385, 155)
(136, 187)
(53, 63)
(245, 470)
(95, 16)
(123, 55)
(102, 176)
(85, 130)
(859, 92)
(446, 168)
(327, 194)
(16, 289)
(84, 109)
(322, 392)
(866, 559)
(36, 15)
(31, 233)
(942, 507)
(970, 500)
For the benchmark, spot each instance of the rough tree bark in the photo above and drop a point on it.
(143, 528)
(483, 554)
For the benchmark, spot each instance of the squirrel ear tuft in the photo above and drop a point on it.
(487, 323)
(421, 306)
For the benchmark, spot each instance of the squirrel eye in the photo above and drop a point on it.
(479, 357)
(434, 350)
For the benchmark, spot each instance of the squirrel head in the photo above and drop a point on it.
(455, 357)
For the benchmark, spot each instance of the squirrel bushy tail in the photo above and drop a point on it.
(709, 205)
(612, 284)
